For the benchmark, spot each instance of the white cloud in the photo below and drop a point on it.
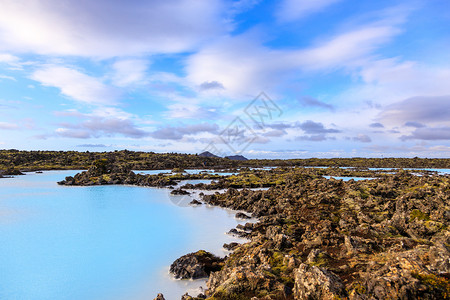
(129, 71)
(243, 66)
(101, 122)
(107, 28)
(363, 138)
(291, 10)
(8, 126)
(417, 111)
(349, 49)
(76, 85)
(8, 58)
(191, 111)
(7, 77)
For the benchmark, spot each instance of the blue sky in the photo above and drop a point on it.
(340, 78)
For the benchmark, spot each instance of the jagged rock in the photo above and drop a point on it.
(196, 265)
(237, 233)
(439, 256)
(179, 192)
(317, 257)
(312, 282)
(159, 297)
(243, 216)
(12, 172)
(195, 202)
(187, 297)
(231, 246)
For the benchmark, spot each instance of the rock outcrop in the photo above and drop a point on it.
(242, 216)
(104, 172)
(11, 172)
(196, 265)
(159, 297)
(312, 282)
(329, 239)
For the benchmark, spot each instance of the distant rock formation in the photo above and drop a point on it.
(236, 157)
(207, 154)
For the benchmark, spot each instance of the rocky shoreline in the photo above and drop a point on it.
(320, 238)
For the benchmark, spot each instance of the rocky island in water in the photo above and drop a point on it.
(384, 237)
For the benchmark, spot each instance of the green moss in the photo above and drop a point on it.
(434, 226)
(358, 287)
(201, 253)
(321, 260)
(417, 214)
(439, 284)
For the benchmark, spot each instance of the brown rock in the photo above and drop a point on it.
(317, 283)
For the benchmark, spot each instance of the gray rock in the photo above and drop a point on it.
(317, 283)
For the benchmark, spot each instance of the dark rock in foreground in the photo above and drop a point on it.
(196, 265)
(195, 202)
(328, 239)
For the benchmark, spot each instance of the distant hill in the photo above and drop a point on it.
(207, 154)
(236, 157)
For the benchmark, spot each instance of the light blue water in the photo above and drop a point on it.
(349, 178)
(440, 171)
(188, 171)
(103, 242)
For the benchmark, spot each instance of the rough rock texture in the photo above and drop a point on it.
(243, 216)
(196, 265)
(159, 297)
(11, 172)
(231, 246)
(312, 282)
(103, 172)
(179, 192)
(319, 239)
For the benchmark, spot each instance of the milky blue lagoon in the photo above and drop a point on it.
(101, 242)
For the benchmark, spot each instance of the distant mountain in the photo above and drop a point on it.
(207, 154)
(236, 157)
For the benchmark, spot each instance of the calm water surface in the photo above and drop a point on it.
(102, 242)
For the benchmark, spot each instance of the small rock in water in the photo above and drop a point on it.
(235, 232)
(195, 202)
(240, 215)
(196, 265)
(186, 297)
(160, 297)
(231, 246)
(180, 192)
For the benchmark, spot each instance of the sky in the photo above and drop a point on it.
(265, 79)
